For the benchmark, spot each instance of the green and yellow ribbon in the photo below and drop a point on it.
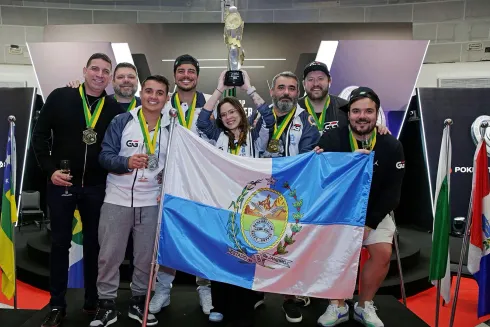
(187, 123)
(353, 141)
(279, 130)
(150, 146)
(91, 119)
(320, 121)
(132, 104)
(236, 150)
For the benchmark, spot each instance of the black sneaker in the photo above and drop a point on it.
(136, 308)
(106, 314)
(54, 318)
(292, 311)
(259, 299)
(303, 301)
(90, 307)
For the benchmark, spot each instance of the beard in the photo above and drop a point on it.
(324, 93)
(367, 131)
(125, 94)
(282, 106)
(190, 87)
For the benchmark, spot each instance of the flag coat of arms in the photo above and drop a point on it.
(7, 220)
(75, 270)
(290, 225)
(479, 250)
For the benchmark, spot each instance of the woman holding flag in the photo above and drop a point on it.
(234, 133)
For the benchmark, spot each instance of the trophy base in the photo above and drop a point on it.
(234, 78)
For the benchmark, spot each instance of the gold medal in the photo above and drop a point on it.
(89, 136)
(273, 146)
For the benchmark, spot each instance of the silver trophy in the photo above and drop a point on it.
(233, 34)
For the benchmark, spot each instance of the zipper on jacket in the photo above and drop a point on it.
(132, 188)
(84, 164)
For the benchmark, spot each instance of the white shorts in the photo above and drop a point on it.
(382, 234)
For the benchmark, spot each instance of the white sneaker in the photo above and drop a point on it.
(334, 315)
(161, 298)
(205, 299)
(367, 315)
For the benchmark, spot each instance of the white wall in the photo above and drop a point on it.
(431, 72)
(18, 73)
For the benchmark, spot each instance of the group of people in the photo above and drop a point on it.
(115, 147)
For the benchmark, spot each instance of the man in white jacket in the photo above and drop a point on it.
(133, 151)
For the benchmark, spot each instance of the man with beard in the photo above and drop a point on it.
(75, 121)
(295, 131)
(125, 84)
(360, 135)
(322, 106)
(188, 102)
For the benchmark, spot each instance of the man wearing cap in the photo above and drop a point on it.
(360, 136)
(188, 102)
(323, 107)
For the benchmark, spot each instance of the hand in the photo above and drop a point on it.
(138, 161)
(367, 230)
(221, 82)
(318, 150)
(363, 151)
(73, 84)
(61, 179)
(159, 198)
(246, 81)
(382, 129)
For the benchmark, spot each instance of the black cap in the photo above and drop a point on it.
(316, 66)
(186, 59)
(360, 93)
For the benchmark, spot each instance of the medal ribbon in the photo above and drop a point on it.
(150, 146)
(180, 113)
(91, 119)
(319, 121)
(353, 141)
(236, 150)
(132, 104)
(279, 130)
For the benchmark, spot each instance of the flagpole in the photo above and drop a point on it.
(173, 116)
(398, 261)
(483, 128)
(447, 124)
(13, 154)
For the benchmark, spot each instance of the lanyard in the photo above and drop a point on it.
(150, 146)
(320, 121)
(91, 119)
(180, 113)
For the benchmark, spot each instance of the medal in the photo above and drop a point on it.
(320, 121)
(187, 123)
(273, 145)
(367, 144)
(150, 144)
(89, 135)
(152, 162)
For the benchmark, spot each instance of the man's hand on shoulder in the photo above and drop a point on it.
(74, 84)
(383, 130)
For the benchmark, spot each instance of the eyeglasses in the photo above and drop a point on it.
(223, 115)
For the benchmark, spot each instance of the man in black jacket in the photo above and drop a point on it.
(361, 136)
(74, 120)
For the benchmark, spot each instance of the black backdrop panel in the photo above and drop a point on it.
(463, 106)
(17, 102)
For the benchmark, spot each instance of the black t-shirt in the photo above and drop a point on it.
(335, 118)
(388, 171)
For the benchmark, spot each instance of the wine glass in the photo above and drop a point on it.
(143, 151)
(65, 169)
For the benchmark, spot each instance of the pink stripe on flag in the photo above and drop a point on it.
(323, 262)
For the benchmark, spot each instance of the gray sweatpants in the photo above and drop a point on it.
(115, 224)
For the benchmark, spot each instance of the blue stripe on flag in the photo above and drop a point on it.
(330, 200)
(199, 242)
(483, 286)
(75, 275)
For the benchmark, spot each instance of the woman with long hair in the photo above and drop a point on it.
(234, 133)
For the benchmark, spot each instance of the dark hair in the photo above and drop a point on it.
(186, 59)
(157, 78)
(99, 55)
(125, 65)
(244, 126)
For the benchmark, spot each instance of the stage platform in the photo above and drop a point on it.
(184, 310)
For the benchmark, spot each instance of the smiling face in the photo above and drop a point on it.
(230, 116)
(153, 95)
(362, 116)
(125, 82)
(285, 94)
(97, 75)
(186, 77)
(316, 85)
